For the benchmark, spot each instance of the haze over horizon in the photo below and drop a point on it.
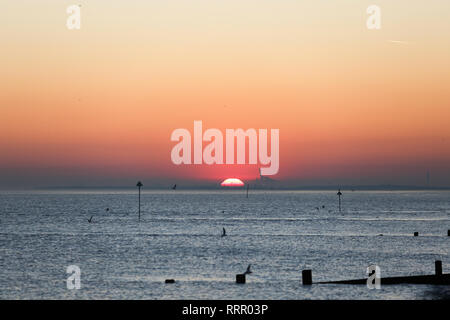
(97, 106)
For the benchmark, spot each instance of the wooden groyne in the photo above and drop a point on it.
(438, 278)
(427, 279)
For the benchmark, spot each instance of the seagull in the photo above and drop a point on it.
(90, 219)
(248, 271)
(224, 233)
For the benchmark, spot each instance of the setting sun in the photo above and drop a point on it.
(232, 182)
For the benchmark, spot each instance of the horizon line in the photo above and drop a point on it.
(352, 188)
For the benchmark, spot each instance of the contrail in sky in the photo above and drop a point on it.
(399, 41)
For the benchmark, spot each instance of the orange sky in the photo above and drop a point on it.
(97, 106)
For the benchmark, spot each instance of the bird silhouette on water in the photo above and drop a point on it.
(248, 271)
(224, 232)
(174, 186)
(90, 219)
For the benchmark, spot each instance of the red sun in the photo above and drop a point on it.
(232, 182)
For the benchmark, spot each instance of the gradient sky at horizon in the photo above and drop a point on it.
(97, 106)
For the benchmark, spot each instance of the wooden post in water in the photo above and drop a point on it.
(139, 185)
(438, 267)
(240, 278)
(339, 195)
(307, 277)
(448, 233)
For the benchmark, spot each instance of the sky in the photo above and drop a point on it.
(97, 106)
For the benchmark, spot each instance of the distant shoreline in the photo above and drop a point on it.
(252, 187)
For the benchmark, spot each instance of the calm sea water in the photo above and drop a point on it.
(278, 232)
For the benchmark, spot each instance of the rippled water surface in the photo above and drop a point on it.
(278, 232)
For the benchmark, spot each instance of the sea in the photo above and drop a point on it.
(45, 236)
